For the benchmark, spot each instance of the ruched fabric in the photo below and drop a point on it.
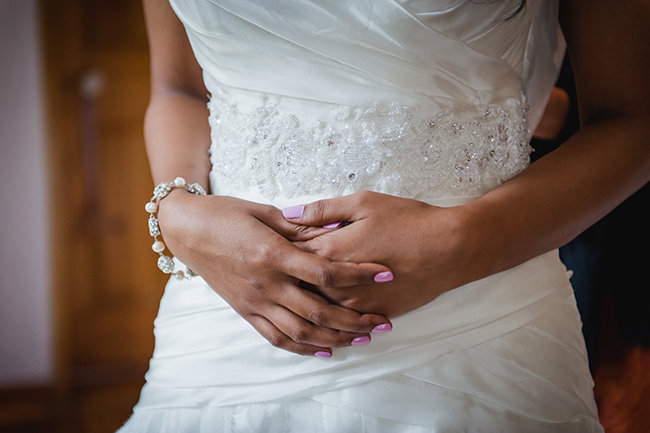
(506, 349)
(450, 54)
(377, 89)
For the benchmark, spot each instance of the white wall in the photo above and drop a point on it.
(25, 311)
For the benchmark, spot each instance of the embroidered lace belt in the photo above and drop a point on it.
(386, 147)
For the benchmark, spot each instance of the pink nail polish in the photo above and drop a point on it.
(293, 212)
(383, 277)
(323, 354)
(332, 225)
(360, 341)
(384, 327)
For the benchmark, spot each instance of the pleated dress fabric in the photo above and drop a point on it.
(430, 100)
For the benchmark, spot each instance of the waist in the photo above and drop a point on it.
(274, 151)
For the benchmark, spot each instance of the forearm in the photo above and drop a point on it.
(565, 192)
(177, 137)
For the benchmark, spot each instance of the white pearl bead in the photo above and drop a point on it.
(158, 246)
(151, 207)
(166, 264)
(179, 182)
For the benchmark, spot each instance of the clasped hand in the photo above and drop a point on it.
(261, 262)
(243, 250)
(423, 245)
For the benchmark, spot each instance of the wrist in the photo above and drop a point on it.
(176, 197)
(165, 196)
(174, 203)
(481, 236)
(172, 214)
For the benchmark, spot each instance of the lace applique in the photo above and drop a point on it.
(386, 147)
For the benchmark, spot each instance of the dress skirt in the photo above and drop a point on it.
(502, 354)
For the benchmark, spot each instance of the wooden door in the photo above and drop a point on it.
(106, 283)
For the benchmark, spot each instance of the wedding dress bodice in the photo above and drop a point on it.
(418, 99)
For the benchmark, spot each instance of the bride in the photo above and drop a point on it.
(375, 253)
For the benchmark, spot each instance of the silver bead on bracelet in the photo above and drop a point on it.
(162, 190)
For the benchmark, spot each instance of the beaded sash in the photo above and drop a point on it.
(386, 147)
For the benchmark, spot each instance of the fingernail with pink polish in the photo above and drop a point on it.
(383, 277)
(360, 341)
(323, 354)
(293, 212)
(332, 225)
(384, 327)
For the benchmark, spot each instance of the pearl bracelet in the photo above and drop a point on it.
(162, 190)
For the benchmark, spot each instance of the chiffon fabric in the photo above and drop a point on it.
(431, 100)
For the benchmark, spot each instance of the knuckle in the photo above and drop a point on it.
(365, 194)
(303, 350)
(256, 286)
(265, 253)
(299, 231)
(363, 277)
(270, 210)
(271, 213)
(365, 197)
(324, 276)
(343, 339)
(276, 340)
(299, 335)
(323, 249)
(360, 198)
(318, 209)
(318, 317)
(262, 209)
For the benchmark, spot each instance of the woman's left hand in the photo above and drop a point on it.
(428, 248)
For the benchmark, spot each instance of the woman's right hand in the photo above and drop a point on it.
(243, 250)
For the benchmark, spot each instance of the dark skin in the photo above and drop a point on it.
(254, 257)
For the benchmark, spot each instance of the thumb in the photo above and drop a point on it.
(328, 213)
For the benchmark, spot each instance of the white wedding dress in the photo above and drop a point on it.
(431, 100)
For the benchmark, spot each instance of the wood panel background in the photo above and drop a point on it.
(106, 284)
